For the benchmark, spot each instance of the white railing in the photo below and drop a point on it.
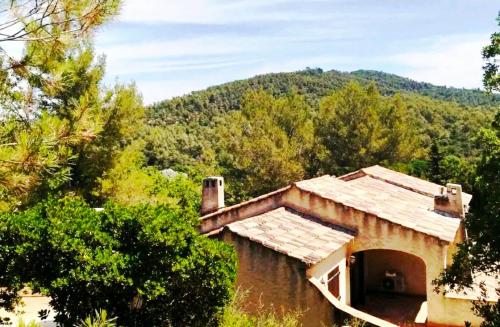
(348, 309)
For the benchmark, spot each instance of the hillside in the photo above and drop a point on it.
(302, 125)
(203, 106)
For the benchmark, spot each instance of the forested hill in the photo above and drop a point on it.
(204, 105)
(390, 83)
(301, 125)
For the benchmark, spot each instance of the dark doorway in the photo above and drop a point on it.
(357, 280)
(390, 285)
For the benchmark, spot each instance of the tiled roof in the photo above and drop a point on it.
(409, 182)
(387, 201)
(292, 233)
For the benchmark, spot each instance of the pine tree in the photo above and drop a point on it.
(51, 99)
(435, 157)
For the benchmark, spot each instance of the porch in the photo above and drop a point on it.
(399, 309)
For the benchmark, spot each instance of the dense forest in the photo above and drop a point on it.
(270, 130)
(312, 83)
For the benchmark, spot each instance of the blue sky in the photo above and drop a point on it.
(173, 47)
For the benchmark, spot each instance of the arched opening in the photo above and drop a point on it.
(390, 285)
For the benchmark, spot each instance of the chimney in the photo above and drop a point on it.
(212, 198)
(449, 200)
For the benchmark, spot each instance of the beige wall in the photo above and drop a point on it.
(458, 311)
(372, 233)
(337, 259)
(276, 280)
(377, 262)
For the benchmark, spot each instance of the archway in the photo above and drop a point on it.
(389, 284)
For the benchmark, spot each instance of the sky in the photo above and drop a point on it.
(172, 47)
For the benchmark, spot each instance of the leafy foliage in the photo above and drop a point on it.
(358, 128)
(146, 265)
(99, 319)
(53, 21)
(52, 101)
(204, 106)
(269, 138)
(265, 145)
(121, 120)
(480, 253)
(32, 323)
(491, 53)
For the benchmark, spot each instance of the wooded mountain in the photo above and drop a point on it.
(267, 131)
(312, 83)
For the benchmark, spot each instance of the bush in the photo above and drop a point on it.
(99, 319)
(146, 265)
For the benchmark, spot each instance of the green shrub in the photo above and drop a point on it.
(146, 265)
(99, 319)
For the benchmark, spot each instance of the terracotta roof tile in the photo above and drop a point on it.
(292, 233)
(409, 182)
(385, 200)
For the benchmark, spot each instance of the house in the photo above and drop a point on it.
(368, 243)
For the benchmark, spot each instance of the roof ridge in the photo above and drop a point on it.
(368, 171)
(406, 187)
(381, 215)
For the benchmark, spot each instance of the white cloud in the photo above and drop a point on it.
(211, 11)
(157, 90)
(295, 64)
(131, 67)
(337, 37)
(169, 10)
(198, 46)
(453, 61)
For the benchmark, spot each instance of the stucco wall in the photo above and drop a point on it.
(374, 233)
(337, 259)
(377, 262)
(458, 311)
(277, 280)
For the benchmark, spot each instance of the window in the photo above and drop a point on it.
(213, 182)
(334, 282)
